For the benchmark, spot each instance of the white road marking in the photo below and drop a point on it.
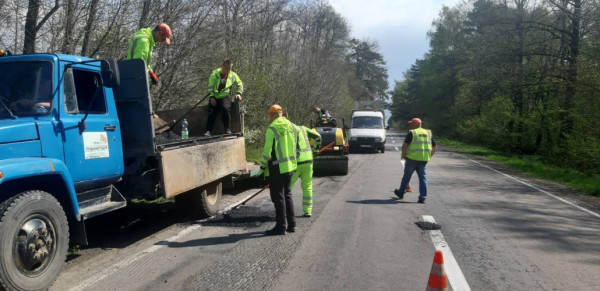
(393, 141)
(86, 284)
(396, 148)
(536, 188)
(455, 276)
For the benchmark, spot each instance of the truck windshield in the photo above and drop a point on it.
(26, 88)
(367, 122)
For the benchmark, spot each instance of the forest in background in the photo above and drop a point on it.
(297, 53)
(518, 76)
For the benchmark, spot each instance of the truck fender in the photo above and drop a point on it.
(19, 168)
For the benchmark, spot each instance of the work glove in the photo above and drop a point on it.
(262, 177)
(153, 77)
(238, 97)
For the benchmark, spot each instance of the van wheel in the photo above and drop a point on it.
(34, 238)
(201, 202)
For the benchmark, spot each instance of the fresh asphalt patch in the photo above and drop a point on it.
(243, 217)
(425, 225)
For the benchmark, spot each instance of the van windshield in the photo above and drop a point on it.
(25, 88)
(367, 122)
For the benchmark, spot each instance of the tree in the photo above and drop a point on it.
(370, 67)
(32, 26)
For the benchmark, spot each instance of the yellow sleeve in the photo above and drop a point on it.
(264, 162)
(239, 85)
(212, 79)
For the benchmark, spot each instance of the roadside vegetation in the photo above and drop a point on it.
(535, 166)
(253, 152)
(296, 53)
(517, 77)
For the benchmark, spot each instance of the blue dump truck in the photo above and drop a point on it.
(78, 140)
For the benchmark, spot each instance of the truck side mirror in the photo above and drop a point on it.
(110, 73)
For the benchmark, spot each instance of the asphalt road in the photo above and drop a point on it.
(499, 230)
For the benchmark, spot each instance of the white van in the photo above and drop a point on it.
(367, 130)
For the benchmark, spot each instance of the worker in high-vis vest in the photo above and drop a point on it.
(222, 84)
(307, 139)
(417, 149)
(278, 165)
(143, 42)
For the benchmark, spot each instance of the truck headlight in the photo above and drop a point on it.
(377, 139)
(353, 139)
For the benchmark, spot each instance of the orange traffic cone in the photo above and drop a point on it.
(408, 188)
(437, 277)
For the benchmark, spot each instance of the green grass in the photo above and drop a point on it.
(253, 152)
(533, 166)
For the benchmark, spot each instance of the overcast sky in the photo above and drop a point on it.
(399, 26)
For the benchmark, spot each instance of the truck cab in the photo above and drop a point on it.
(367, 130)
(77, 137)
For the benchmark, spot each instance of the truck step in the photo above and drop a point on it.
(99, 201)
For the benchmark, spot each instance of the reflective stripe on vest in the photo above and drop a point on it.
(279, 150)
(420, 147)
(135, 44)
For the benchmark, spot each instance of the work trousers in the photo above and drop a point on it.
(223, 106)
(305, 172)
(281, 195)
(420, 167)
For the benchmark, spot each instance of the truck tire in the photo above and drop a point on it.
(201, 202)
(34, 239)
(383, 149)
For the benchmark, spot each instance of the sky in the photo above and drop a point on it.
(399, 27)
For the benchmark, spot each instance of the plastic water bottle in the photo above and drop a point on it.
(184, 129)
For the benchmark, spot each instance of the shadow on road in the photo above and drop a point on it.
(209, 241)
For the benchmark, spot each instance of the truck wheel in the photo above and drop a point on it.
(34, 238)
(201, 202)
(383, 149)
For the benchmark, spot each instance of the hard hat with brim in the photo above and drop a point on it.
(415, 120)
(275, 109)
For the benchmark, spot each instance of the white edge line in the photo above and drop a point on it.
(456, 278)
(135, 257)
(536, 188)
(396, 148)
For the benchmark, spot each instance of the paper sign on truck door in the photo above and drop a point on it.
(95, 145)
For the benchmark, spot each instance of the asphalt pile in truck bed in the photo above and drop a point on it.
(166, 137)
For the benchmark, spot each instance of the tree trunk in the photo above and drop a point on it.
(571, 87)
(30, 23)
(88, 27)
(144, 17)
(70, 19)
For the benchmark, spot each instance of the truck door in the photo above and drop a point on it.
(93, 154)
